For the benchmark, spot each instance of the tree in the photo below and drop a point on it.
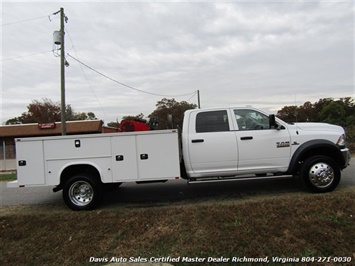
(41, 112)
(132, 117)
(114, 124)
(307, 112)
(340, 112)
(47, 111)
(333, 113)
(288, 113)
(170, 108)
(82, 116)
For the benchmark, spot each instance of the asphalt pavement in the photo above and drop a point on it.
(173, 191)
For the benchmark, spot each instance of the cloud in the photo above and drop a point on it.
(236, 53)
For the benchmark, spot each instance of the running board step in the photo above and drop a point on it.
(244, 178)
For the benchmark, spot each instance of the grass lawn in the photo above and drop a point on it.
(290, 225)
(7, 176)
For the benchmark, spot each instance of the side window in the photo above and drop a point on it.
(251, 120)
(214, 121)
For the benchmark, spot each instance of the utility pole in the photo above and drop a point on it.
(198, 99)
(62, 72)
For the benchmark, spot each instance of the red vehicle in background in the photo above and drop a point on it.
(138, 125)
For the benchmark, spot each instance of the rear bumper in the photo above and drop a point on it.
(12, 184)
(347, 156)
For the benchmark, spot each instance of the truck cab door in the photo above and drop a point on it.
(261, 149)
(212, 145)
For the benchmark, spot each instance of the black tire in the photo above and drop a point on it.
(320, 174)
(82, 192)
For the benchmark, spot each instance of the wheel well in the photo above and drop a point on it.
(79, 169)
(183, 169)
(330, 151)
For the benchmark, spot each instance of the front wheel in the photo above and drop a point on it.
(320, 174)
(82, 192)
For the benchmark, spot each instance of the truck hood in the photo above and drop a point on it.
(319, 127)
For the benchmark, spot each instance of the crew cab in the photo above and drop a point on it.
(219, 144)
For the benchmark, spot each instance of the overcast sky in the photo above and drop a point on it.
(236, 53)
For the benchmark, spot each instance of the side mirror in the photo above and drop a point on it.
(272, 122)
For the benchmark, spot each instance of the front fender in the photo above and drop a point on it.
(315, 147)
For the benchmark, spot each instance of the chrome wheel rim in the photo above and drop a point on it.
(81, 193)
(321, 175)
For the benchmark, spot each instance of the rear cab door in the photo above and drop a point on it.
(210, 144)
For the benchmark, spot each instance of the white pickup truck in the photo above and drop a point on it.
(221, 144)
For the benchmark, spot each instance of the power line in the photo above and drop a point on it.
(22, 21)
(191, 96)
(29, 19)
(87, 80)
(22, 56)
(25, 20)
(125, 85)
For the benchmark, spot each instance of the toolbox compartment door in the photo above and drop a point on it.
(30, 163)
